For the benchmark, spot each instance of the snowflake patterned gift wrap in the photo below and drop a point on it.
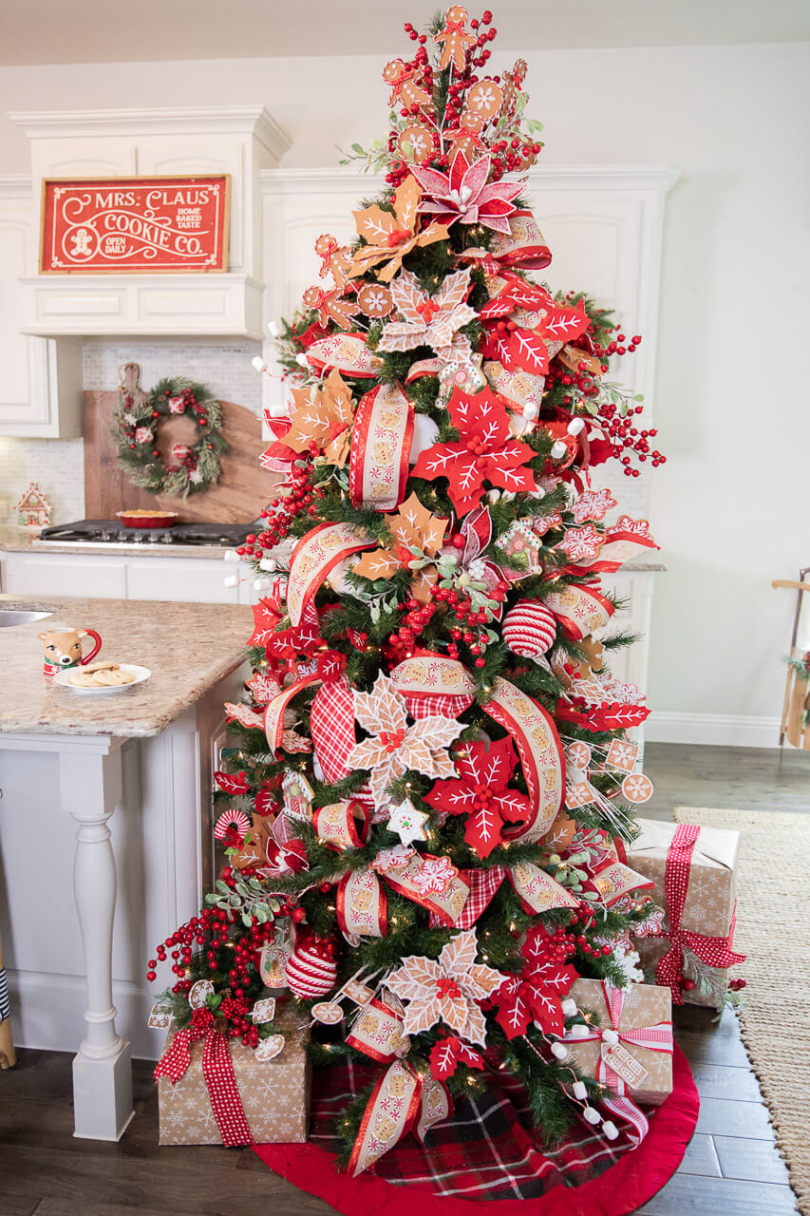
(629, 1048)
(695, 874)
(274, 1092)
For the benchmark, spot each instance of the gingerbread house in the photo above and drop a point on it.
(33, 509)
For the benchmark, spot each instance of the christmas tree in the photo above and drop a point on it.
(425, 814)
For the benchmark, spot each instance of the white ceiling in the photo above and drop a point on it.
(116, 31)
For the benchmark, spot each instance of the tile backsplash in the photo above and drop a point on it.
(224, 366)
(57, 465)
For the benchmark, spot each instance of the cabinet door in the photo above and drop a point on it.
(189, 579)
(40, 385)
(69, 574)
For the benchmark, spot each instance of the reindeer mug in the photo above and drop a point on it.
(63, 649)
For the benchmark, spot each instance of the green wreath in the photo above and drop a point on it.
(137, 419)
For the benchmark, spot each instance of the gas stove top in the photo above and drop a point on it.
(110, 532)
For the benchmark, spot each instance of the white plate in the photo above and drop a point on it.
(62, 678)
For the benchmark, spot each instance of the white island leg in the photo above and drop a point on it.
(90, 784)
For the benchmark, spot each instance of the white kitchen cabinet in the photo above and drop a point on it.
(122, 576)
(41, 380)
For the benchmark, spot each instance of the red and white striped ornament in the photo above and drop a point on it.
(311, 971)
(529, 629)
(229, 819)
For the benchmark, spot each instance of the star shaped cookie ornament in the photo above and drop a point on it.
(408, 823)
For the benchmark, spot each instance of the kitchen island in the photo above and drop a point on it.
(134, 771)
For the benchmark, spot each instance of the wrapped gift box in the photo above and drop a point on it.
(646, 1071)
(708, 911)
(274, 1093)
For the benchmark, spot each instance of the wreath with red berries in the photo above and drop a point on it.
(195, 466)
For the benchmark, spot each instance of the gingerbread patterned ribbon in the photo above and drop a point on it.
(217, 1068)
(580, 610)
(541, 754)
(537, 890)
(314, 558)
(713, 951)
(402, 1100)
(525, 246)
(362, 905)
(381, 447)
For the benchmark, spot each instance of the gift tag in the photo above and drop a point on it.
(624, 1065)
(578, 755)
(198, 993)
(579, 795)
(328, 1012)
(622, 755)
(357, 992)
(269, 1048)
(264, 1011)
(159, 1019)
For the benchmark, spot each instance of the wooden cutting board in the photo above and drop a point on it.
(242, 490)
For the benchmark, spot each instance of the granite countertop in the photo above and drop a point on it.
(187, 647)
(18, 540)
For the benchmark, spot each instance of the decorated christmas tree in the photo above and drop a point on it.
(426, 813)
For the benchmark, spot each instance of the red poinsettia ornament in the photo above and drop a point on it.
(485, 451)
(524, 321)
(481, 792)
(463, 194)
(535, 993)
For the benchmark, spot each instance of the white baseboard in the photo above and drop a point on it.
(717, 730)
(47, 1012)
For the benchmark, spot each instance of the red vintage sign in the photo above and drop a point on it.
(134, 225)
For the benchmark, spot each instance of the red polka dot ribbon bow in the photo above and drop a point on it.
(714, 951)
(217, 1068)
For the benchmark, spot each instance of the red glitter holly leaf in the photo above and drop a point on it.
(545, 1008)
(448, 1053)
(513, 1013)
(563, 324)
(483, 830)
(598, 718)
(526, 351)
(232, 783)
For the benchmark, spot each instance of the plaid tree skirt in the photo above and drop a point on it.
(489, 1151)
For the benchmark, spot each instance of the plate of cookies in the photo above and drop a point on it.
(102, 677)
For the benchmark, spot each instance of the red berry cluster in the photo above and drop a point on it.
(586, 921)
(282, 511)
(416, 619)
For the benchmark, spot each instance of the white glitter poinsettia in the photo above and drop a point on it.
(430, 320)
(447, 989)
(395, 747)
(463, 194)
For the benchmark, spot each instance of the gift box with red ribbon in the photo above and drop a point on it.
(213, 1090)
(695, 874)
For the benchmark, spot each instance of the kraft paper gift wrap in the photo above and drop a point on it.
(711, 898)
(644, 1005)
(275, 1094)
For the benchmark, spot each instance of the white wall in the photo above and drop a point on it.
(731, 402)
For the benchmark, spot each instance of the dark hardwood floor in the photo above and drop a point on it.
(732, 1165)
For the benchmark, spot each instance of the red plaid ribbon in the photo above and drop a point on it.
(714, 951)
(331, 723)
(442, 705)
(218, 1074)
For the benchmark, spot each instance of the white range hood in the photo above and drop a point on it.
(239, 140)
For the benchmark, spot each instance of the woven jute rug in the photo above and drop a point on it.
(773, 929)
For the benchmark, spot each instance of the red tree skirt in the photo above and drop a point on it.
(486, 1152)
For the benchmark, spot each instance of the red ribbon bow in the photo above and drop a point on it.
(218, 1074)
(714, 951)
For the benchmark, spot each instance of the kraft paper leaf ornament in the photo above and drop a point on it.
(417, 537)
(331, 306)
(535, 994)
(447, 989)
(430, 320)
(463, 196)
(390, 238)
(481, 793)
(485, 452)
(394, 747)
(323, 422)
(454, 38)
